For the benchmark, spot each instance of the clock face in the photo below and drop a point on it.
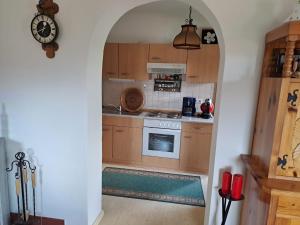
(44, 29)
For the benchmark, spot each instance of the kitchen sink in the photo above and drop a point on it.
(112, 110)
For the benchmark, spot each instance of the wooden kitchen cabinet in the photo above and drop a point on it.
(122, 139)
(107, 143)
(110, 61)
(166, 53)
(203, 64)
(129, 61)
(133, 61)
(195, 147)
(127, 144)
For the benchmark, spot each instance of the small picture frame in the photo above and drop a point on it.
(209, 37)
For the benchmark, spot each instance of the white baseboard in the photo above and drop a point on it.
(99, 218)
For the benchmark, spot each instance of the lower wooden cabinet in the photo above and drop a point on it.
(127, 144)
(122, 139)
(107, 143)
(123, 143)
(195, 151)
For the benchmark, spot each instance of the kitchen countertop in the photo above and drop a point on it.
(143, 116)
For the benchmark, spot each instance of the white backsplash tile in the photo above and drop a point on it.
(112, 90)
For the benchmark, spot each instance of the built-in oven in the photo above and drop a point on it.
(161, 138)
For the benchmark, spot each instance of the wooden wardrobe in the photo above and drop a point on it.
(273, 169)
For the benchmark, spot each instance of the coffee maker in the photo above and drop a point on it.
(188, 106)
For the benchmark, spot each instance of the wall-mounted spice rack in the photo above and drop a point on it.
(168, 83)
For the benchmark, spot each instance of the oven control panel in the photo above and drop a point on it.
(164, 124)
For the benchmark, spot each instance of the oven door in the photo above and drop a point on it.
(161, 142)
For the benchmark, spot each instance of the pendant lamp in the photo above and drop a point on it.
(188, 37)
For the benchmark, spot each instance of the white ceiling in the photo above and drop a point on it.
(168, 7)
(155, 22)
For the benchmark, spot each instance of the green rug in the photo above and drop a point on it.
(175, 188)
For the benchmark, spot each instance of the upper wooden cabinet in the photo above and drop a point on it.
(110, 61)
(133, 61)
(203, 64)
(129, 61)
(166, 53)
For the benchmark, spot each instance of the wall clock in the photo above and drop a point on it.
(44, 27)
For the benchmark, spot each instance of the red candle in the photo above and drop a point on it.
(237, 185)
(226, 182)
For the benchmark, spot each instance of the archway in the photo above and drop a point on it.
(94, 66)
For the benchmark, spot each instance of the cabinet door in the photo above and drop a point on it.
(195, 151)
(288, 208)
(166, 53)
(285, 221)
(289, 153)
(110, 61)
(127, 144)
(133, 61)
(107, 145)
(203, 64)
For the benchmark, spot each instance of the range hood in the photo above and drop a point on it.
(166, 68)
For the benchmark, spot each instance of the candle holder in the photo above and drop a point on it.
(226, 203)
(22, 166)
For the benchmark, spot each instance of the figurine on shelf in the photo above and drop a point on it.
(295, 14)
(296, 68)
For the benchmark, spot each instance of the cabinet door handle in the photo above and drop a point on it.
(124, 74)
(187, 137)
(119, 131)
(193, 76)
(105, 129)
(111, 73)
(155, 58)
(197, 128)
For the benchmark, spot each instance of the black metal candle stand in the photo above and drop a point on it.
(21, 175)
(226, 203)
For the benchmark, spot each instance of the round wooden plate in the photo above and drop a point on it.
(132, 100)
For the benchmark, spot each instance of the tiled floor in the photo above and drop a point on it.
(126, 211)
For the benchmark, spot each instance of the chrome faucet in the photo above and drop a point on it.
(118, 108)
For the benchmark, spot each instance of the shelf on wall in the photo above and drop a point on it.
(259, 173)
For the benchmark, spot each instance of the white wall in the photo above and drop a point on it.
(46, 102)
(4, 195)
(54, 105)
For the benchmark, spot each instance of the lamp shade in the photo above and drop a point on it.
(187, 38)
